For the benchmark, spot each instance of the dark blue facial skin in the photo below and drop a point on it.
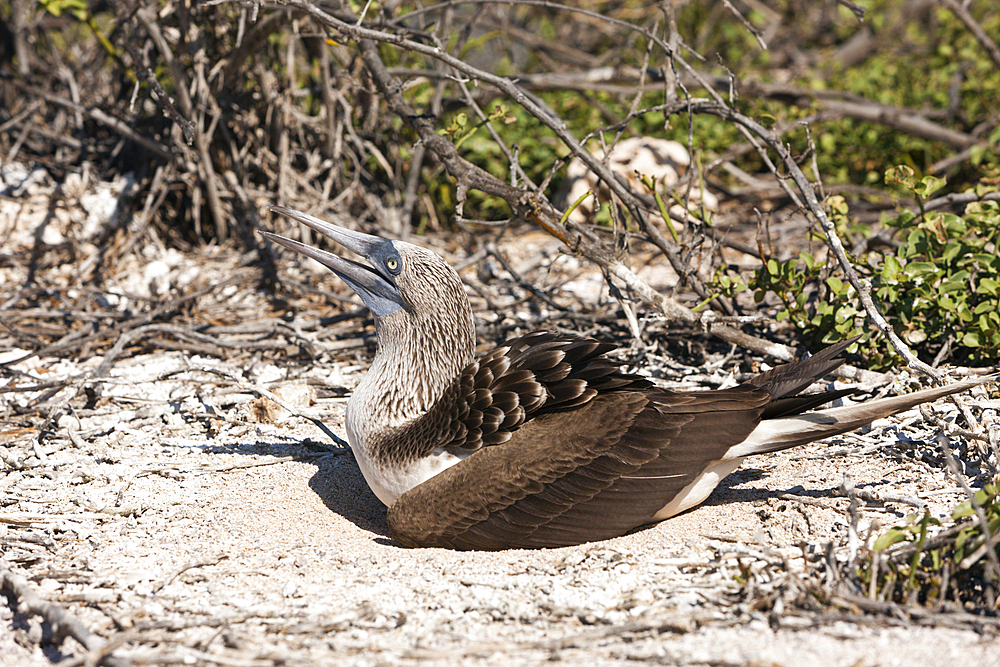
(375, 284)
(386, 260)
(379, 292)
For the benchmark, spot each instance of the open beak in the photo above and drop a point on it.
(376, 289)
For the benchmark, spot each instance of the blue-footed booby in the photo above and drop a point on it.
(545, 441)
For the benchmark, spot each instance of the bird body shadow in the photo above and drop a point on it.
(340, 485)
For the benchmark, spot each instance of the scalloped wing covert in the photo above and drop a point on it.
(494, 396)
(589, 453)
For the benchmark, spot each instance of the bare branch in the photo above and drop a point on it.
(535, 207)
(965, 16)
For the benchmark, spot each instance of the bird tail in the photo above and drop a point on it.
(776, 434)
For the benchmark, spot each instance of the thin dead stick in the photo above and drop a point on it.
(988, 538)
(260, 391)
(493, 251)
(957, 198)
(148, 18)
(172, 470)
(547, 116)
(260, 464)
(76, 340)
(858, 10)
(470, 176)
(181, 332)
(962, 13)
(834, 104)
(63, 623)
(813, 206)
(204, 562)
(534, 207)
(828, 104)
(746, 24)
(525, 99)
(97, 114)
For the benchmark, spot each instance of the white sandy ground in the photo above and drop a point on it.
(293, 564)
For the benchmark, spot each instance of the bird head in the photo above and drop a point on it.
(423, 319)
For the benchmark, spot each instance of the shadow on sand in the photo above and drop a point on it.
(342, 488)
(337, 481)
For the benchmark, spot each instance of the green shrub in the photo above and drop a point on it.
(941, 285)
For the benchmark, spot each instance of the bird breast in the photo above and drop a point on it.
(390, 478)
(389, 482)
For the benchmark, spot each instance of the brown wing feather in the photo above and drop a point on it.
(571, 477)
(790, 379)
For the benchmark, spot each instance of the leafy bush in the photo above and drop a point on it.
(940, 287)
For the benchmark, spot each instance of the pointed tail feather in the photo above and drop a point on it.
(776, 434)
(793, 405)
(790, 379)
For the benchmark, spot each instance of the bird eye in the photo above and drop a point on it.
(393, 265)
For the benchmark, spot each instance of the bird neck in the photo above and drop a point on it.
(418, 357)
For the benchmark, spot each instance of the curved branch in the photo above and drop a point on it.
(963, 15)
(813, 206)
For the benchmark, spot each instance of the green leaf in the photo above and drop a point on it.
(77, 8)
(985, 306)
(954, 224)
(971, 339)
(954, 284)
(963, 312)
(919, 269)
(928, 185)
(951, 251)
(891, 268)
(890, 537)
(837, 205)
(845, 313)
(900, 174)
